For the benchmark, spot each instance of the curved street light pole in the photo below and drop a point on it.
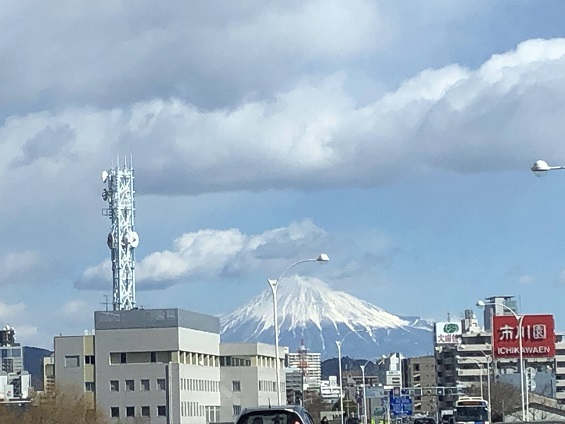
(339, 343)
(519, 318)
(274, 284)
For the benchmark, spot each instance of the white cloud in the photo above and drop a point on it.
(26, 266)
(214, 253)
(10, 312)
(314, 135)
(526, 279)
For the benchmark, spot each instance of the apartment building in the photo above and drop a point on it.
(420, 374)
(464, 358)
(310, 365)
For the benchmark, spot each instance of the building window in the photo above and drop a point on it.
(237, 409)
(115, 412)
(129, 411)
(161, 411)
(130, 386)
(89, 386)
(161, 384)
(114, 386)
(416, 367)
(153, 356)
(144, 411)
(89, 359)
(236, 386)
(123, 358)
(145, 385)
(71, 361)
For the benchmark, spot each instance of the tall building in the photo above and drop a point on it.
(15, 382)
(464, 358)
(248, 377)
(309, 364)
(493, 307)
(420, 373)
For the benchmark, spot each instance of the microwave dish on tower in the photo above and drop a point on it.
(122, 238)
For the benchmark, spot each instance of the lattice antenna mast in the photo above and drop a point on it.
(122, 239)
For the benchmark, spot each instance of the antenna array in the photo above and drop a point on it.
(122, 239)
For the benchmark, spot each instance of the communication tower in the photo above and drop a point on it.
(303, 361)
(122, 239)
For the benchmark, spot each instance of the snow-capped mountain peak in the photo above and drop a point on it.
(309, 309)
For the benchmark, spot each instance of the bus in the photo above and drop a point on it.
(471, 410)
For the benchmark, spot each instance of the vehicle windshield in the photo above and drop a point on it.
(269, 417)
(471, 413)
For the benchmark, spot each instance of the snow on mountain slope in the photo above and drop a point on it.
(309, 309)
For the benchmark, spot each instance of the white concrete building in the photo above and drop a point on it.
(162, 364)
(248, 377)
(158, 365)
(310, 363)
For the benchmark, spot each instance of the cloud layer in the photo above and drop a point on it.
(213, 254)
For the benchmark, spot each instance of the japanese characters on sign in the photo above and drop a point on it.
(537, 332)
(447, 332)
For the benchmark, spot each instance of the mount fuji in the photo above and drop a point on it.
(309, 310)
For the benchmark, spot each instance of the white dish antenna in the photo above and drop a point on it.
(104, 176)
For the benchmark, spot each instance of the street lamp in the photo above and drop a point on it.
(365, 391)
(482, 304)
(541, 166)
(274, 284)
(339, 343)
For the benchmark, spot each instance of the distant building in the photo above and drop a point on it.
(309, 363)
(466, 359)
(420, 373)
(15, 381)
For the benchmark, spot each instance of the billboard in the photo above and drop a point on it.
(448, 332)
(538, 336)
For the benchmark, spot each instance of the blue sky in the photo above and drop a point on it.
(394, 136)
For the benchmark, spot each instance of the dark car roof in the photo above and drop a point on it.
(297, 409)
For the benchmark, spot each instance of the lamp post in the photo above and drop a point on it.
(482, 304)
(541, 166)
(274, 284)
(338, 343)
(364, 393)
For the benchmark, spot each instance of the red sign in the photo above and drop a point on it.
(538, 336)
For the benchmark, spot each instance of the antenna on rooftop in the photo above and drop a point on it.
(122, 239)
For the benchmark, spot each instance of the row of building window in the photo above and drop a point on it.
(194, 384)
(181, 357)
(267, 386)
(144, 411)
(144, 385)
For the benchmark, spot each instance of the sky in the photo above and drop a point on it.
(395, 136)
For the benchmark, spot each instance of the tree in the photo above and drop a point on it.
(61, 407)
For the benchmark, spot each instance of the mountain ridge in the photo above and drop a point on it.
(309, 310)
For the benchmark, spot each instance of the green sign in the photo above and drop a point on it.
(451, 328)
